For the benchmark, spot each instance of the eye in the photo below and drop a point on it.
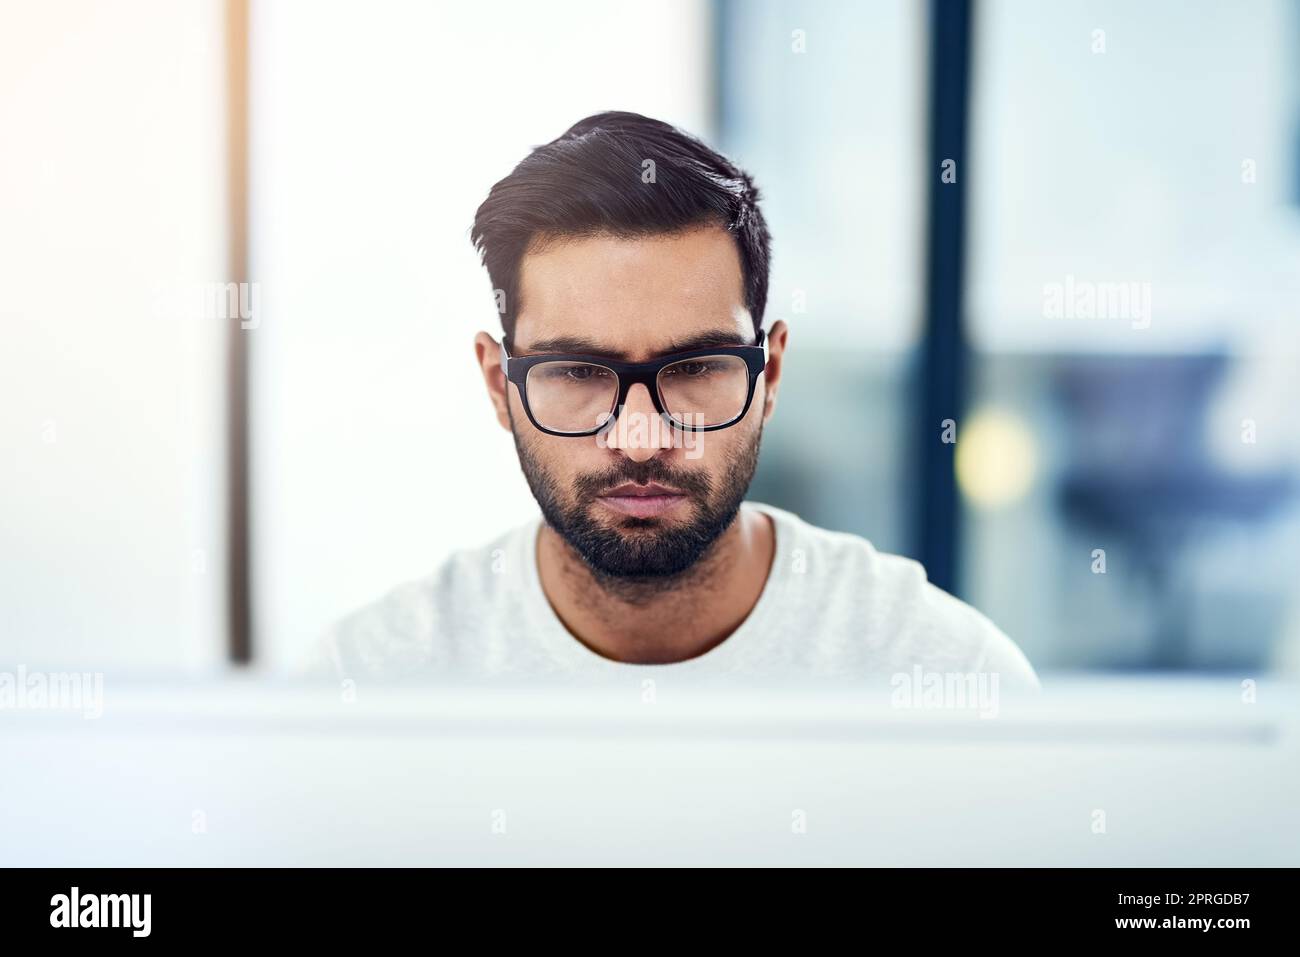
(694, 369)
(579, 373)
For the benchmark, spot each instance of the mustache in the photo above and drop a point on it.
(589, 487)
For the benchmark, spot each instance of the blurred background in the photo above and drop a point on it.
(1100, 291)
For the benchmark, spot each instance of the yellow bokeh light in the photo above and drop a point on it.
(997, 458)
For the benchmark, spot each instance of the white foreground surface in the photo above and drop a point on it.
(241, 771)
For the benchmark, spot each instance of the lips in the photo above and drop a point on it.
(643, 501)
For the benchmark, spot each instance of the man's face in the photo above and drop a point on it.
(640, 501)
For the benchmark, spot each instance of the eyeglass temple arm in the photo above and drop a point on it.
(505, 359)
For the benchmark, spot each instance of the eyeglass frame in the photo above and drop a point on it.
(628, 374)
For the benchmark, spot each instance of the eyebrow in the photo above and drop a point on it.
(580, 345)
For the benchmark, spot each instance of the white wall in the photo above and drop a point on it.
(111, 207)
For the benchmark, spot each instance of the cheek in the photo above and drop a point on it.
(714, 452)
(561, 459)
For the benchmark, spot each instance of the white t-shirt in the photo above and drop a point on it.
(833, 606)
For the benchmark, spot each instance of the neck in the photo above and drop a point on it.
(667, 620)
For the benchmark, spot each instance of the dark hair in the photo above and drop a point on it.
(590, 182)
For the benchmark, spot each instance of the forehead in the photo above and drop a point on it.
(633, 297)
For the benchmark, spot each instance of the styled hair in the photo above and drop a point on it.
(597, 179)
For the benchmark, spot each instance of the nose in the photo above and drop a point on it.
(640, 432)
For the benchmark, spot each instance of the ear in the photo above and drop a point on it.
(776, 342)
(488, 352)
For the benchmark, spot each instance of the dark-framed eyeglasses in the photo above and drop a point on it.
(701, 390)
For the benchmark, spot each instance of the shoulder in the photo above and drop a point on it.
(903, 618)
(423, 624)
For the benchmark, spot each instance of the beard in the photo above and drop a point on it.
(639, 557)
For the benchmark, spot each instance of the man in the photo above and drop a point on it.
(630, 267)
